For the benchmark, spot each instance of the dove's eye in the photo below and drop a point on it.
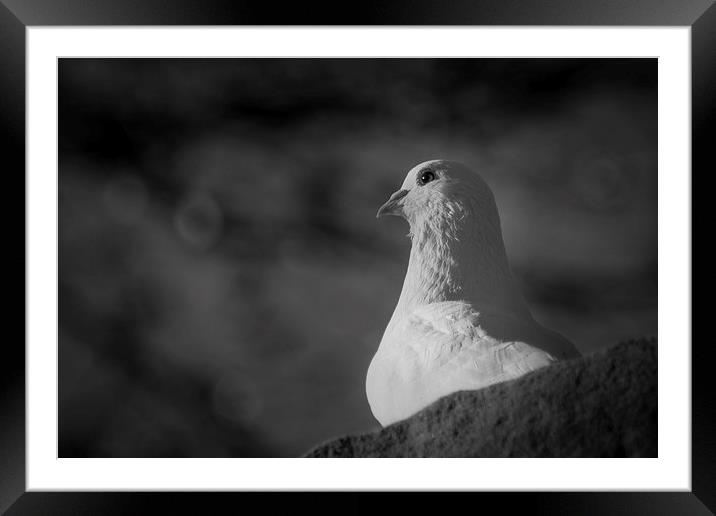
(426, 177)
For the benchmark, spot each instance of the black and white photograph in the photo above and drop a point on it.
(261, 238)
(357, 257)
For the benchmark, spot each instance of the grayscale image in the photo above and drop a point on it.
(357, 257)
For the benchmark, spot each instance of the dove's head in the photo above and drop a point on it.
(439, 194)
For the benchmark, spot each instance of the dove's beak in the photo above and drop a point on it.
(394, 206)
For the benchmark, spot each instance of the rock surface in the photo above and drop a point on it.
(601, 405)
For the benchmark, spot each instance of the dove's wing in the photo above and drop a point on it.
(446, 348)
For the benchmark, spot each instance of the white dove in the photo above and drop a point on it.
(461, 323)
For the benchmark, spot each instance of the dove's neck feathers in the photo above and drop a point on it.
(458, 254)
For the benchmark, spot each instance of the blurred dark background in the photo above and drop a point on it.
(223, 281)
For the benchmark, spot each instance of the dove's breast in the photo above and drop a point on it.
(437, 350)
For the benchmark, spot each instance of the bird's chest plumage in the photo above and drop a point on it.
(417, 360)
(395, 384)
(436, 350)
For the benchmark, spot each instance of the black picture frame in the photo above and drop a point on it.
(17, 15)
